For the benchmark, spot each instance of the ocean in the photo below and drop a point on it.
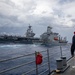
(14, 50)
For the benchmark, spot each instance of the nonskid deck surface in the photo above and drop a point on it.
(70, 70)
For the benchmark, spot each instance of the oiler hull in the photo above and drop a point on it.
(50, 44)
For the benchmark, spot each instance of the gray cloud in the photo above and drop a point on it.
(65, 1)
(73, 20)
(16, 15)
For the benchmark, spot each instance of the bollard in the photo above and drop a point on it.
(59, 63)
(64, 61)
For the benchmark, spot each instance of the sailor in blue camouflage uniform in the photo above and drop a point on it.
(73, 45)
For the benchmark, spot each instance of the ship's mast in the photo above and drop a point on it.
(49, 29)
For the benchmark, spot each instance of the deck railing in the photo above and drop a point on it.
(27, 63)
(36, 68)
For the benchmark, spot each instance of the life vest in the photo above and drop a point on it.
(38, 59)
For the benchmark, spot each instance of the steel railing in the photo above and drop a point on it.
(36, 68)
(21, 65)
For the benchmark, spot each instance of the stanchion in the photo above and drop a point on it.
(36, 64)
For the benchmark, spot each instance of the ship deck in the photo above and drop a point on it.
(70, 70)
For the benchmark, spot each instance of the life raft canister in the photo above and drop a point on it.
(38, 59)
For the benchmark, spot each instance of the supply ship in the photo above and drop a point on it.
(52, 38)
(47, 38)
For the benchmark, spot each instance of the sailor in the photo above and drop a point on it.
(73, 45)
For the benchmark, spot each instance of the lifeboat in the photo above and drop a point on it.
(56, 38)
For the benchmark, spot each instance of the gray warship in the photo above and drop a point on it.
(47, 38)
(27, 39)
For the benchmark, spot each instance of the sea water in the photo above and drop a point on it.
(14, 50)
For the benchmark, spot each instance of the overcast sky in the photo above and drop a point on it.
(16, 15)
